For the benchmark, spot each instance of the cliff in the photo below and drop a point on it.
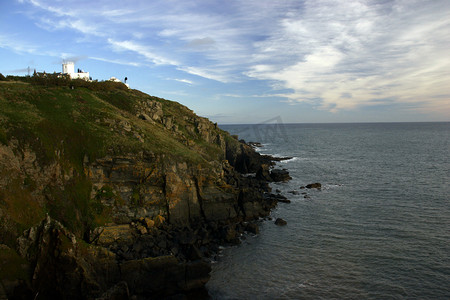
(109, 193)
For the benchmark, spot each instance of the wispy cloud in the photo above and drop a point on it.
(342, 55)
(140, 49)
(117, 61)
(15, 44)
(182, 80)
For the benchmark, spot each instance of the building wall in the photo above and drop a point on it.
(68, 68)
(84, 75)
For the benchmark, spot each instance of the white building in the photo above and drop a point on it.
(114, 79)
(68, 67)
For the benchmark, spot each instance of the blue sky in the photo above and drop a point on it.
(249, 61)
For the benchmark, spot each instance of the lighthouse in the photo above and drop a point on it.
(68, 67)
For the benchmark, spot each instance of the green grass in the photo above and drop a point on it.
(19, 209)
(12, 266)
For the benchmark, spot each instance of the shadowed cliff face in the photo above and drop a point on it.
(117, 177)
(155, 185)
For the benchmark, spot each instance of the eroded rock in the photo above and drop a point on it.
(279, 175)
(316, 185)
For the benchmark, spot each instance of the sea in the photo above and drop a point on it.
(379, 228)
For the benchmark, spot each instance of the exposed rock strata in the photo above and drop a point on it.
(167, 217)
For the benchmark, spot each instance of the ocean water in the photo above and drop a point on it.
(378, 229)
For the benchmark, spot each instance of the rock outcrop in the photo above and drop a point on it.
(280, 222)
(278, 175)
(316, 185)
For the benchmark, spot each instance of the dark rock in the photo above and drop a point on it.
(194, 253)
(274, 158)
(294, 192)
(63, 267)
(164, 275)
(243, 158)
(230, 235)
(186, 237)
(117, 292)
(197, 275)
(316, 185)
(284, 200)
(174, 250)
(280, 222)
(264, 173)
(279, 175)
(252, 228)
(255, 144)
(277, 198)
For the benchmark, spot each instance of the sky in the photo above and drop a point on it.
(234, 61)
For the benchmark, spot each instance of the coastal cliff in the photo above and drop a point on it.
(110, 193)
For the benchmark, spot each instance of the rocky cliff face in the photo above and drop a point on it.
(133, 206)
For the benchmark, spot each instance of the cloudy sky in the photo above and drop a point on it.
(249, 61)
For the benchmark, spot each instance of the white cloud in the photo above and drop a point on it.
(117, 61)
(140, 49)
(205, 73)
(187, 81)
(359, 51)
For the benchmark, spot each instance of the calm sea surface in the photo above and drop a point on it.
(378, 229)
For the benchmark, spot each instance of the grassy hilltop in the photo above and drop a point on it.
(96, 117)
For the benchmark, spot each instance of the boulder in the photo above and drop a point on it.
(149, 223)
(115, 234)
(230, 234)
(141, 228)
(316, 185)
(277, 198)
(280, 222)
(252, 228)
(279, 175)
(159, 220)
